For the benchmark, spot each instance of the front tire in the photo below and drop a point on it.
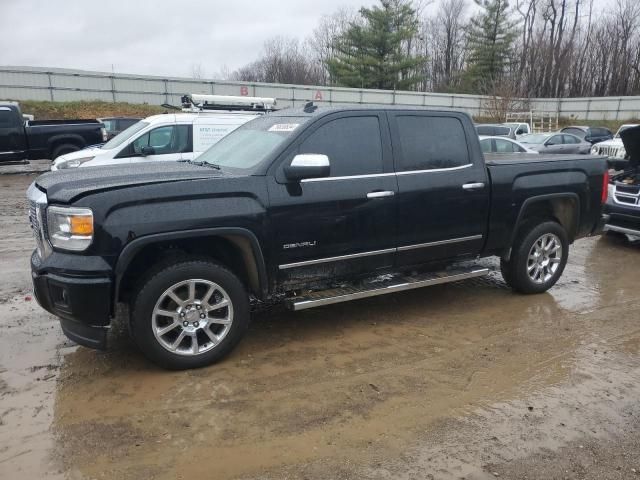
(189, 314)
(538, 258)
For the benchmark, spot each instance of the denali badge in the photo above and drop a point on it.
(287, 246)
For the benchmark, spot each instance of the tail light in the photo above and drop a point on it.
(605, 186)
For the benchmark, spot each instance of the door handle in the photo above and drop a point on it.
(473, 186)
(381, 194)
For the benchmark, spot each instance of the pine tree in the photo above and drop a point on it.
(491, 36)
(370, 52)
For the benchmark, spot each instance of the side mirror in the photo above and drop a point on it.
(147, 151)
(307, 165)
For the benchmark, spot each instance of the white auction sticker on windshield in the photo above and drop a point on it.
(283, 127)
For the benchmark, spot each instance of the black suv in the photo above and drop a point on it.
(307, 207)
(589, 134)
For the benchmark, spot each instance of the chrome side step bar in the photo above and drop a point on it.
(381, 286)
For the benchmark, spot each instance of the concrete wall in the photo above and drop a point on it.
(33, 83)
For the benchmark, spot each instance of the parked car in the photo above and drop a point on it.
(502, 145)
(623, 206)
(22, 139)
(614, 149)
(589, 134)
(115, 125)
(495, 130)
(555, 143)
(519, 128)
(287, 207)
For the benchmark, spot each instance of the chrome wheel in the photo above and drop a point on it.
(192, 317)
(544, 258)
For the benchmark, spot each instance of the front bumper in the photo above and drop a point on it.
(622, 219)
(82, 303)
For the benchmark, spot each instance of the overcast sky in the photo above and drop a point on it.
(158, 37)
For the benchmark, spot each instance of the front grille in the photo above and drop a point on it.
(627, 194)
(35, 225)
(37, 207)
(609, 151)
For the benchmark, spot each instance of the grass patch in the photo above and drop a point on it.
(42, 110)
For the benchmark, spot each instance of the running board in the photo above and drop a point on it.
(381, 286)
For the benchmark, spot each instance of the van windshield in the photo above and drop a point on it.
(125, 135)
(252, 143)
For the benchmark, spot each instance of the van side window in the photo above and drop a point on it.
(353, 145)
(431, 142)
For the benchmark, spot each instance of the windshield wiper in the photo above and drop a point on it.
(201, 164)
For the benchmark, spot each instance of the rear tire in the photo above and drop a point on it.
(538, 258)
(189, 314)
(63, 150)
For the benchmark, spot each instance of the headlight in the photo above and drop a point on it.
(594, 150)
(621, 153)
(76, 162)
(70, 228)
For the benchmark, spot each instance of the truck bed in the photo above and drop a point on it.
(526, 158)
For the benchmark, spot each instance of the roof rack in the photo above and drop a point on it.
(198, 103)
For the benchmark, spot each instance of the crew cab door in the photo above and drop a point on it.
(343, 224)
(13, 143)
(443, 191)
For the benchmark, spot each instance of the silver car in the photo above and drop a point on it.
(555, 143)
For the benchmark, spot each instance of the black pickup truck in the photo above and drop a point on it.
(31, 140)
(307, 207)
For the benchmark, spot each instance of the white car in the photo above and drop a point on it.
(520, 128)
(614, 149)
(502, 145)
(169, 137)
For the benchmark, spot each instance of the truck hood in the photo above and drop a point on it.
(64, 186)
(631, 140)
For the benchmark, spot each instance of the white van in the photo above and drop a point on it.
(167, 137)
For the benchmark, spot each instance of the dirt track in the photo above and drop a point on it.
(459, 381)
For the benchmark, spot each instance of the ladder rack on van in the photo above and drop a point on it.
(199, 102)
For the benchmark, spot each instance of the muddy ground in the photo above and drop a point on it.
(455, 381)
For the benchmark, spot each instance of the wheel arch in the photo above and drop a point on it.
(237, 248)
(564, 208)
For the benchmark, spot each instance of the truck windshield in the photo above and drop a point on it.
(124, 135)
(247, 146)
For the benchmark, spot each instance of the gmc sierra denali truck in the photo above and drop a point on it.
(307, 207)
(22, 139)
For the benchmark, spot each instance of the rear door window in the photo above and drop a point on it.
(504, 146)
(570, 139)
(353, 145)
(431, 142)
(8, 118)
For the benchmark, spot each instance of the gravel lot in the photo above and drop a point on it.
(455, 381)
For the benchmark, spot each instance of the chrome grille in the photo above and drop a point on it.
(627, 195)
(610, 151)
(37, 206)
